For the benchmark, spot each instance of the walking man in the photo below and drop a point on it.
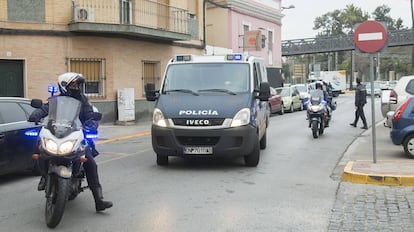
(360, 101)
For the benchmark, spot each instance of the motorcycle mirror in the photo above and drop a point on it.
(36, 103)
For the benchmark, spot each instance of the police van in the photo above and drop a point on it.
(211, 106)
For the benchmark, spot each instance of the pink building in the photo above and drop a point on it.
(233, 24)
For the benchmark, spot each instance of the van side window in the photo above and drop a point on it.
(256, 76)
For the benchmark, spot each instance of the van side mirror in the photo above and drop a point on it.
(264, 91)
(150, 92)
(36, 103)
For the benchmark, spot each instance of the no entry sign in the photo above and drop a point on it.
(370, 36)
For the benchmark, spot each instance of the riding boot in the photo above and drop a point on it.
(100, 204)
(42, 184)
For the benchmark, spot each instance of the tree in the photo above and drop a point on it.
(351, 16)
(382, 14)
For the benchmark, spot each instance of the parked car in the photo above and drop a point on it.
(303, 92)
(377, 89)
(16, 148)
(392, 99)
(275, 102)
(290, 97)
(402, 132)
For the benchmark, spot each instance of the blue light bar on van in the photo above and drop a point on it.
(234, 57)
(183, 58)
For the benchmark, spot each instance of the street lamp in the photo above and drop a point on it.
(287, 7)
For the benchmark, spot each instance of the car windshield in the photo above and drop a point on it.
(228, 78)
(368, 85)
(301, 88)
(282, 92)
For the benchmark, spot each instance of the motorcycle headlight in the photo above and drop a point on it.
(66, 147)
(158, 118)
(315, 108)
(50, 146)
(241, 118)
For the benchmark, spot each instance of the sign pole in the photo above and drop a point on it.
(374, 139)
(370, 37)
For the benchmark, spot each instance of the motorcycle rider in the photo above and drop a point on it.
(319, 93)
(69, 85)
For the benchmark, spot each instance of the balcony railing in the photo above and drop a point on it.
(140, 13)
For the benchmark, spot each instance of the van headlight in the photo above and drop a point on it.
(158, 118)
(241, 118)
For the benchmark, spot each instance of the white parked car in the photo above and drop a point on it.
(391, 99)
(377, 89)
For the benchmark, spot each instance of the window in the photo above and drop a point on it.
(151, 73)
(26, 10)
(11, 112)
(94, 72)
(126, 11)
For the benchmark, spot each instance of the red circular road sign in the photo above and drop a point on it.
(370, 36)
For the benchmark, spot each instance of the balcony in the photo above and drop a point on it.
(145, 19)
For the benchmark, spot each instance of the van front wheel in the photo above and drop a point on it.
(252, 159)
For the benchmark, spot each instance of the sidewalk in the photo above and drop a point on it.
(392, 167)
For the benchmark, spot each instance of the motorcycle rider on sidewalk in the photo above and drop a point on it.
(69, 85)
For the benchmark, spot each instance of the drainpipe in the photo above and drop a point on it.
(204, 25)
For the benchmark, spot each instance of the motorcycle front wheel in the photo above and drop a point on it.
(56, 200)
(314, 127)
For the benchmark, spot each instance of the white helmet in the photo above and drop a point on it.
(70, 79)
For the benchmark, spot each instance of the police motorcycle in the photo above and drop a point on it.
(63, 142)
(317, 115)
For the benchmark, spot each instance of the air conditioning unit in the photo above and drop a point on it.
(84, 14)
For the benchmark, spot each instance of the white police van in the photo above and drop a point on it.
(211, 106)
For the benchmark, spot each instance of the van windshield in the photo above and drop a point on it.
(207, 77)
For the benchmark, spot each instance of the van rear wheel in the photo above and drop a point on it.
(162, 160)
(252, 159)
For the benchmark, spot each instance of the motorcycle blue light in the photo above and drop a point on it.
(91, 136)
(31, 133)
(52, 89)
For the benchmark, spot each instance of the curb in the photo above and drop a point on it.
(378, 179)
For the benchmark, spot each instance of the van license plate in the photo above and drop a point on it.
(198, 150)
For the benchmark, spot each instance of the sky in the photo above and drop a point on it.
(298, 22)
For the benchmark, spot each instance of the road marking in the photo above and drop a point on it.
(122, 155)
(144, 133)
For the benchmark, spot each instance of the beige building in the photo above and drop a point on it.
(119, 44)
(116, 44)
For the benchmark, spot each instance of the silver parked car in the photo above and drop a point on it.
(393, 98)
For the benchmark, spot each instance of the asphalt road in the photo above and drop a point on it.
(296, 187)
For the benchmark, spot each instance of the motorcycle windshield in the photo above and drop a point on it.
(63, 117)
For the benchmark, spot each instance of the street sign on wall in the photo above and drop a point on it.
(370, 36)
(252, 40)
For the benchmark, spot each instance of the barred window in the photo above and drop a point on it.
(151, 70)
(93, 69)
